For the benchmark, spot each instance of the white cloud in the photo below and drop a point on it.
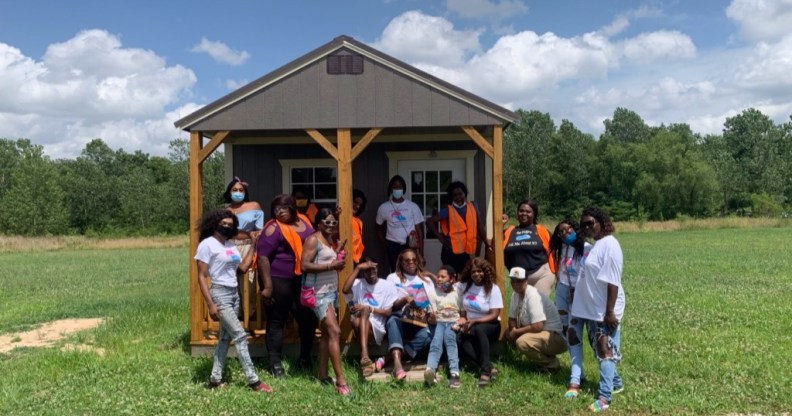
(485, 9)
(87, 87)
(416, 37)
(220, 52)
(233, 84)
(661, 45)
(767, 20)
(767, 68)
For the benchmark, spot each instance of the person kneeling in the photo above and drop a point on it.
(534, 324)
(370, 300)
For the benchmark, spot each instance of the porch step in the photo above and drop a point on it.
(415, 373)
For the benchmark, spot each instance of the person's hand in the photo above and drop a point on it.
(504, 219)
(266, 294)
(467, 327)
(214, 312)
(254, 235)
(432, 320)
(358, 307)
(611, 321)
(337, 264)
(512, 334)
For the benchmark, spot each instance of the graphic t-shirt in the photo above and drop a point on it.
(601, 267)
(380, 295)
(525, 249)
(400, 217)
(448, 305)
(569, 266)
(477, 303)
(221, 259)
(416, 287)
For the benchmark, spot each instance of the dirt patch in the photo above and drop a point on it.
(47, 334)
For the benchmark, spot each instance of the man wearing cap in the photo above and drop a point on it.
(534, 324)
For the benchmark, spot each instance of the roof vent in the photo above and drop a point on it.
(345, 64)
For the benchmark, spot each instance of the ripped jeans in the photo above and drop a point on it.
(227, 301)
(605, 343)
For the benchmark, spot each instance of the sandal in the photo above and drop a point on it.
(599, 406)
(494, 374)
(343, 390)
(367, 367)
(399, 375)
(380, 364)
(572, 393)
(484, 380)
(261, 387)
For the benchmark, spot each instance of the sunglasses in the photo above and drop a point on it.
(330, 223)
(587, 224)
(410, 260)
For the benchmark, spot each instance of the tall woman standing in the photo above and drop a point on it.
(599, 302)
(528, 246)
(321, 263)
(280, 248)
(219, 260)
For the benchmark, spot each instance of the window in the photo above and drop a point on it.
(345, 64)
(318, 182)
(428, 189)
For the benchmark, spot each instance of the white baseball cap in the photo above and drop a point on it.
(517, 273)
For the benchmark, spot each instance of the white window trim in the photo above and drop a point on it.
(288, 164)
(468, 155)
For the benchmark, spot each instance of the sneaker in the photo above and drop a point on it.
(216, 385)
(453, 381)
(379, 364)
(277, 371)
(572, 393)
(617, 390)
(430, 377)
(261, 387)
(599, 406)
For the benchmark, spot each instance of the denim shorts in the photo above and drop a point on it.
(323, 300)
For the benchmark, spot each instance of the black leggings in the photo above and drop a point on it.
(476, 345)
(286, 296)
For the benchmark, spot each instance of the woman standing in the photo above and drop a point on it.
(218, 259)
(399, 221)
(599, 303)
(280, 248)
(359, 202)
(528, 246)
(482, 302)
(321, 263)
(251, 221)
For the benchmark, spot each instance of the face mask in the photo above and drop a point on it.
(237, 196)
(398, 193)
(226, 232)
(462, 205)
(569, 239)
(302, 203)
(445, 286)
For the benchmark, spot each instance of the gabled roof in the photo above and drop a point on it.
(238, 108)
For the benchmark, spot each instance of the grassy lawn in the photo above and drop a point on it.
(708, 330)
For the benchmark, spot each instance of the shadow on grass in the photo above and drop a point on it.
(512, 357)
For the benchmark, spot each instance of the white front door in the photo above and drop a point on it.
(427, 181)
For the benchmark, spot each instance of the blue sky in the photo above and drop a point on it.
(124, 71)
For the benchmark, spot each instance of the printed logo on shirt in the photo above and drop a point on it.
(398, 216)
(369, 298)
(471, 301)
(234, 256)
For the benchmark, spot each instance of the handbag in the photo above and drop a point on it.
(308, 293)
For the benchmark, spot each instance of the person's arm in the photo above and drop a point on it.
(365, 266)
(481, 229)
(203, 276)
(309, 254)
(419, 228)
(516, 332)
(431, 223)
(610, 316)
(248, 259)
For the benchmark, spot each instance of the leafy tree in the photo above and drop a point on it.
(527, 145)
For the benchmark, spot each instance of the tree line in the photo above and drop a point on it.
(635, 171)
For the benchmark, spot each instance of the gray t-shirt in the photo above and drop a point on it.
(535, 307)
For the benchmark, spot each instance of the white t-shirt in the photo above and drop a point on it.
(601, 267)
(477, 303)
(535, 307)
(380, 295)
(401, 217)
(222, 260)
(569, 266)
(422, 291)
(448, 304)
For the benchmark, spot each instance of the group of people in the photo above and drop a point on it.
(454, 312)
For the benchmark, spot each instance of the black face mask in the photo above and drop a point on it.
(226, 232)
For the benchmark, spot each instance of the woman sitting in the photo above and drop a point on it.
(482, 302)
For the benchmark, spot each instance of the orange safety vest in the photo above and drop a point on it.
(462, 233)
(544, 235)
(357, 239)
(311, 213)
(293, 240)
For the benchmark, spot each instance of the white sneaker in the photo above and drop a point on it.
(430, 377)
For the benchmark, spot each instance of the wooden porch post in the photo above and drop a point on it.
(345, 202)
(196, 210)
(497, 210)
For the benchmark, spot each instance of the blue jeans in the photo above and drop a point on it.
(444, 335)
(598, 333)
(419, 338)
(563, 301)
(227, 301)
(574, 340)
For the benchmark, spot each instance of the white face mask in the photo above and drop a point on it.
(462, 205)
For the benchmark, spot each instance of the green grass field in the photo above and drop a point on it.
(708, 330)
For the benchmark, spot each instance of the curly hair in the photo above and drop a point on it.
(489, 274)
(227, 194)
(601, 217)
(420, 272)
(557, 242)
(208, 223)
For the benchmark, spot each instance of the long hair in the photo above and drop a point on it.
(486, 267)
(602, 217)
(420, 272)
(534, 206)
(284, 200)
(208, 223)
(227, 194)
(557, 243)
